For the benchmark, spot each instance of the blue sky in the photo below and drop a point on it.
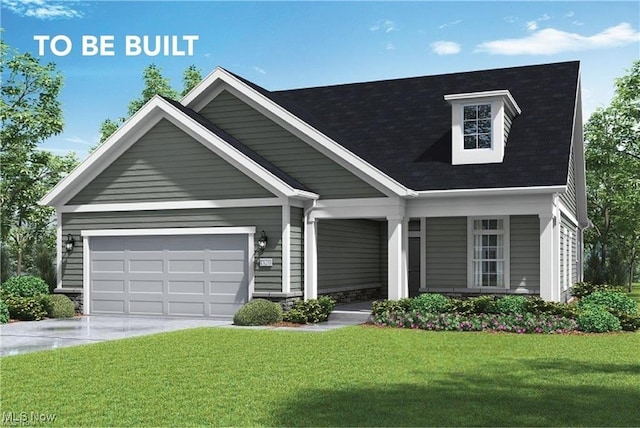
(281, 45)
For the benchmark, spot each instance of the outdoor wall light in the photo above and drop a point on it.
(262, 242)
(68, 245)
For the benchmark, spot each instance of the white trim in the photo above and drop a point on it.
(500, 191)
(251, 254)
(172, 205)
(58, 249)
(86, 277)
(481, 205)
(171, 231)
(286, 248)
(396, 258)
(547, 255)
(506, 248)
(310, 257)
(565, 212)
(472, 96)
(202, 95)
(155, 110)
(359, 208)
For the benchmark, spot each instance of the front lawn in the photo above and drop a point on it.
(355, 376)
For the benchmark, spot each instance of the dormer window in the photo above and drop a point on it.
(477, 126)
(480, 124)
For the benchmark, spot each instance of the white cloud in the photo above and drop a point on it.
(43, 9)
(578, 23)
(448, 24)
(390, 46)
(532, 25)
(445, 48)
(385, 25)
(569, 14)
(78, 140)
(544, 17)
(550, 41)
(259, 70)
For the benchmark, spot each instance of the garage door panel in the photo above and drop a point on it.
(101, 265)
(146, 266)
(108, 244)
(146, 307)
(187, 287)
(195, 276)
(186, 266)
(195, 309)
(102, 305)
(108, 285)
(146, 286)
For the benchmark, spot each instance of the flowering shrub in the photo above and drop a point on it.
(513, 323)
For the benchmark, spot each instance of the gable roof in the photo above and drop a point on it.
(199, 128)
(403, 126)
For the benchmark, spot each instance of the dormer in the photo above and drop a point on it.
(480, 123)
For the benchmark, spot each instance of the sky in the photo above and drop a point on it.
(284, 45)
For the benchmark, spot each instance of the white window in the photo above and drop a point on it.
(477, 126)
(489, 252)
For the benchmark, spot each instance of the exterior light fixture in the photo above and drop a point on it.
(68, 245)
(262, 242)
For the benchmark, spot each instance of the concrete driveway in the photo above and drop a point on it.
(29, 336)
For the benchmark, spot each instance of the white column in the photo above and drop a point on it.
(547, 256)
(310, 258)
(397, 274)
(286, 248)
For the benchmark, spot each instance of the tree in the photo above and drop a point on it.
(30, 113)
(613, 183)
(154, 84)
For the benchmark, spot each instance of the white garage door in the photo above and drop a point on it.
(190, 275)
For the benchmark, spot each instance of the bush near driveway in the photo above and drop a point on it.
(24, 286)
(4, 312)
(310, 311)
(258, 312)
(28, 308)
(60, 306)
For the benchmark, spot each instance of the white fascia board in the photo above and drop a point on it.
(577, 146)
(474, 96)
(172, 205)
(372, 208)
(171, 231)
(533, 190)
(336, 152)
(136, 126)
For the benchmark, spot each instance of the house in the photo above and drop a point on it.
(462, 183)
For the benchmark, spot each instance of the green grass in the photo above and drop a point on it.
(356, 376)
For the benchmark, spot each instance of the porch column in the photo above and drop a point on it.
(397, 255)
(547, 256)
(310, 259)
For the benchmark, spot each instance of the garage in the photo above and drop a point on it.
(194, 275)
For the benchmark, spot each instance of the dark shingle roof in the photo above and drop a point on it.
(403, 126)
(239, 146)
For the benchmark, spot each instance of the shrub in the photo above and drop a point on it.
(511, 305)
(310, 311)
(627, 322)
(430, 303)
(514, 323)
(536, 305)
(4, 312)
(583, 289)
(33, 308)
(60, 307)
(596, 319)
(25, 286)
(474, 305)
(381, 306)
(611, 301)
(258, 312)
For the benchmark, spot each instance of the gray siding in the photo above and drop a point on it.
(297, 249)
(525, 252)
(168, 165)
(268, 219)
(284, 150)
(348, 254)
(569, 197)
(447, 252)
